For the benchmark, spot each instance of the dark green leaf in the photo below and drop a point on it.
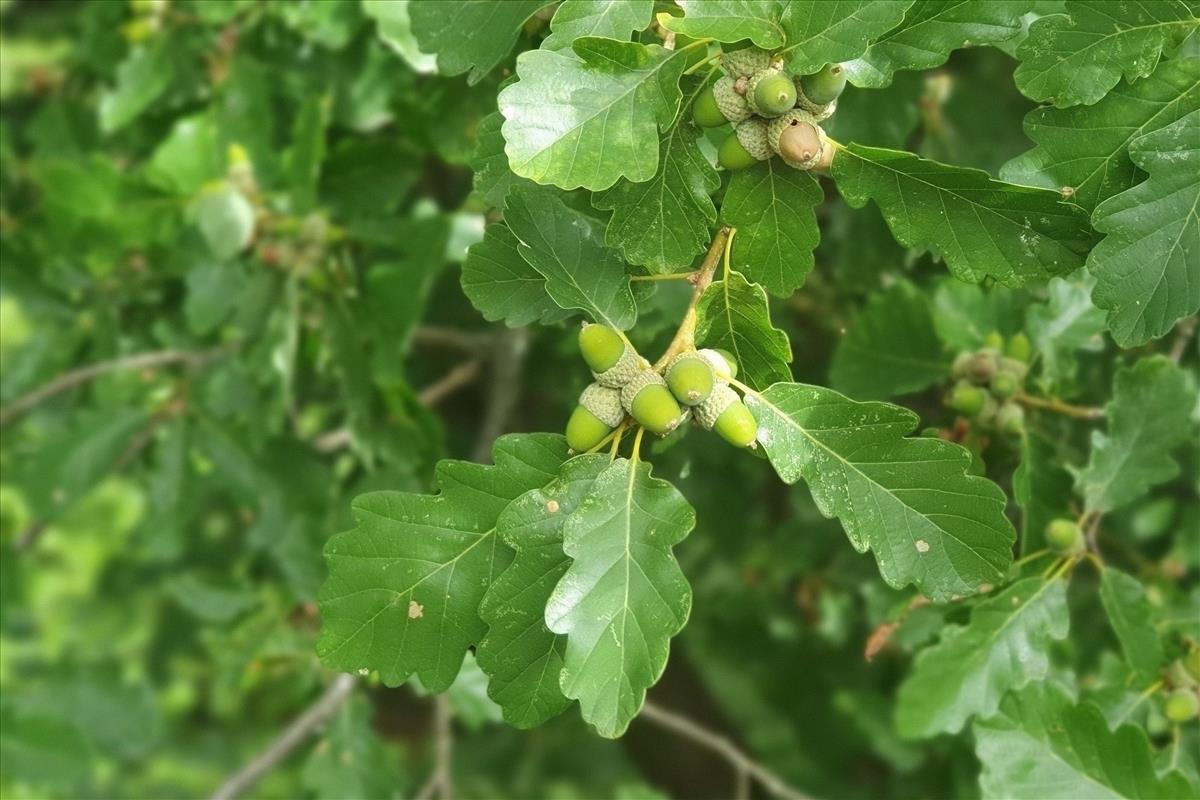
(469, 35)
(503, 285)
(1129, 612)
(821, 32)
(733, 314)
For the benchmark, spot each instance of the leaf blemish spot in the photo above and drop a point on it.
(552, 506)
(922, 546)
(415, 610)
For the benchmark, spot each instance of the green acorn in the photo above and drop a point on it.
(722, 362)
(1016, 368)
(825, 86)
(745, 62)
(1019, 348)
(651, 403)
(746, 146)
(730, 103)
(1064, 536)
(966, 399)
(770, 93)
(1183, 705)
(726, 414)
(797, 139)
(1191, 663)
(612, 361)
(705, 110)
(1010, 419)
(1178, 675)
(994, 341)
(981, 365)
(598, 412)
(1004, 385)
(690, 378)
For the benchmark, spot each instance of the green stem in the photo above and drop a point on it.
(670, 276)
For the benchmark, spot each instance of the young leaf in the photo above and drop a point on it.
(624, 596)
(1075, 58)
(733, 315)
(585, 118)
(1004, 647)
(891, 348)
(1148, 266)
(470, 35)
(566, 248)
(821, 32)
(1066, 323)
(1041, 487)
(930, 30)
(1147, 417)
(503, 285)
(664, 222)
(1086, 149)
(909, 500)
(576, 18)
(980, 227)
(771, 205)
(964, 314)
(730, 21)
(1129, 612)
(405, 583)
(521, 656)
(1042, 747)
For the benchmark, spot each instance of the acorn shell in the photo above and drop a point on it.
(721, 398)
(604, 403)
(753, 135)
(621, 373)
(780, 126)
(732, 105)
(745, 62)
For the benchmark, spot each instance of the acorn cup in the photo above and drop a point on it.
(612, 360)
(746, 146)
(691, 378)
(745, 62)
(598, 412)
(726, 414)
(797, 139)
(770, 93)
(649, 401)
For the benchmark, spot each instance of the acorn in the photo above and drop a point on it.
(770, 93)
(647, 398)
(746, 146)
(979, 366)
(598, 412)
(1191, 663)
(705, 110)
(612, 360)
(725, 413)
(825, 86)
(723, 363)
(966, 399)
(797, 138)
(994, 341)
(745, 62)
(690, 378)
(730, 102)
(1019, 348)
(1183, 705)
(1019, 369)
(1064, 535)
(1177, 675)
(1004, 385)
(1010, 419)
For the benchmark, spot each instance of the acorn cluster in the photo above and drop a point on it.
(1183, 675)
(988, 381)
(694, 385)
(773, 113)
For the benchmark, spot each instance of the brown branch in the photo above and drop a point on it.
(449, 383)
(160, 358)
(1183, 335)
(507, 358)
(451, 338)
(440, 783)
(685, 336)
(1059, 407)
(702, 736)
(292, 737)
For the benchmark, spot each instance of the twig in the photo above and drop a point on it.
(452, 338)
(685, 337)
(1182, 336)
(291, 738)
(449, 383)
(158, 358)
(724, 748)
(440, 783)
(1059, 407)
(507, 357)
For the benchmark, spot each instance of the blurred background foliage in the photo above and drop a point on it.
(253, 214)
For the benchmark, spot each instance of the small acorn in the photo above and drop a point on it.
(825, 86)
(1004, 385)
(745, 62)
(797, 138)
(1010, 419)
(730, 103)
(690, 378)
(612, 361)
(770, 93)
(723, 363)
(1064, 536)
(1019, 348)
(994, 341)
(746, 146)
(982, 365)
(1183, 705)
(1191, 663)
(726, 414)
(705, 110)
(1177, 675)
(651, 403)
(598, 412)
(1015, 367)
(966, 399)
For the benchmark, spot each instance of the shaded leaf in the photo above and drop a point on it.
(501, 284)
(821, 32)
(1130, 614)
(1075, 58)
(771, 205)
(469, 35)
(733, 314)
(965, 314)
(492, 178)
(980, 227)
(1004, 647)
(909, 500)
(1041, 487)
(226, 220)
(624, 596)
(350, 760)
(405, 583)
(1066, 323)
